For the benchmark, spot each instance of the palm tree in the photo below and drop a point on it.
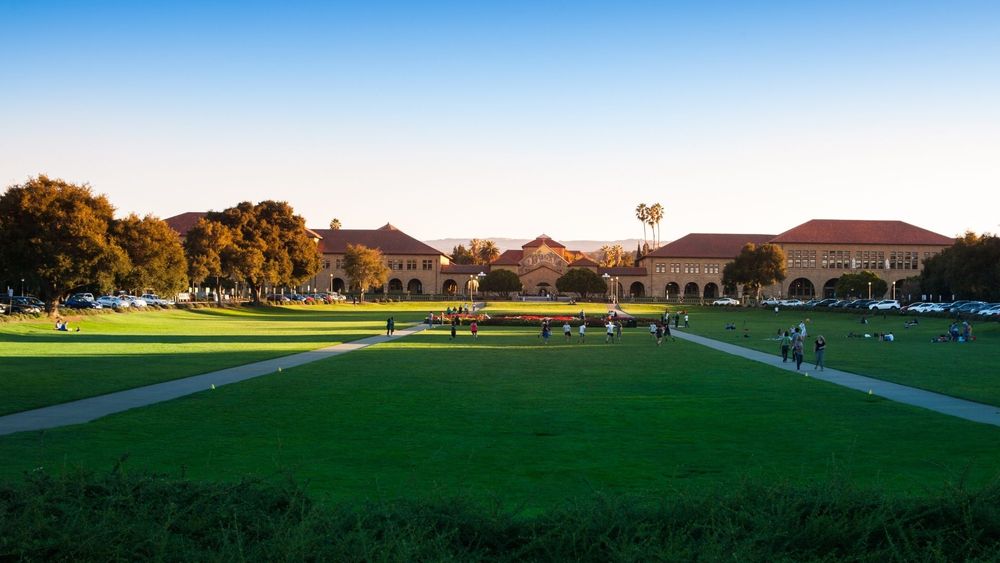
(488, 252)
(655, 216)
(335, 224)
(642, 214)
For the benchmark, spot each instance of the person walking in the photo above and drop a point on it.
(786, 344)
(388, 326)
(797, 350)
(546, 332)
(618, 331)
(658, 333)
(474, 329)
(686, 319)
(610, 332)
(677, 320)
(820, 349)
(666, 331)
(430, 320)
(567, 331)
(583, 332)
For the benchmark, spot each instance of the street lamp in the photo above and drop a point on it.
(869, 290)
(22, 287)
(331, 282)
(616, 291)
(607, 281)
(894, 289)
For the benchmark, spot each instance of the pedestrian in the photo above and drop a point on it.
(610, 332)
(583, 331)
(677, 320)
(618, 331)
(388, 326)
(797, 350)
(430, 320)
(567, 331)
(454, 328)
(820, 349)
(658, 333)
(786, 344)
(775, 309)
(474, 329)
(546, 332)
(666, 331)
(802, 329)
(686, 323)
(652, 329)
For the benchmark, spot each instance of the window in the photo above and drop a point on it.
(340, 263)
(427, 265)
(661, 268)
(675, 268)
(395, 264)
(411, 264)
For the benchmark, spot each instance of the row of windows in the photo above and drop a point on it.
(689, 268)
(394, 264)
(861, 259)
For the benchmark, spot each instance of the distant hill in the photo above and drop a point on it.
(447, 244)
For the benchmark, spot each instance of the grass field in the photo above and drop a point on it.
(41, 366)
(966, 370)
(506, 417)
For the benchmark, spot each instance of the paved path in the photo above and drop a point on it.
(976, 412)
(85, 410)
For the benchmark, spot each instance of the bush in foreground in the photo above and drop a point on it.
(87, 517)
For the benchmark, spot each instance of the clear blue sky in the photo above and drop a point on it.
(514, 118)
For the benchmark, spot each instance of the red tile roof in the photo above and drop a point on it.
(707, 245)
(543, 239)
(509, 258)
(465, 269)
(185, 221)
(842, 231)
(583, 263)
(388, 239)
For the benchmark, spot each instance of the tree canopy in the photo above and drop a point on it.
(483, 251)
(365, 267)
(503, 282)
(613, 255)
(581, 281)
(155, 256)
(970, 269)
(856, 285)
(55, 236)
(269, 245)
(204, 246)
(462, 255)
(755, 267)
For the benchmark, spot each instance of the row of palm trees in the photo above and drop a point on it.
(650, 215)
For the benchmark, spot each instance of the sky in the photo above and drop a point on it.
(514, 118)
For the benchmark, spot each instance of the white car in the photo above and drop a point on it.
(885, 305)
(133, 301)
(726, 301)
(771, 302)
(921, 308)
(154, 299)
(790, 302)
(112, 302)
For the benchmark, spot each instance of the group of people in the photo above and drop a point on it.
(473, 328)
(794, 341)
(459, 310)
(660, 330)
(62, 326)
(959, 332)
(666, 317)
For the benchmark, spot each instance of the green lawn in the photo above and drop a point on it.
(41, 366)
(966, 370)
(506, 417)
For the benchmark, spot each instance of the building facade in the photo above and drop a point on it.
(690, 268)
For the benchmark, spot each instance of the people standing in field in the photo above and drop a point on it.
(820, 350)
(583, 332)
(666, 330)
(610, 332)
(474, 329)
(567, 331)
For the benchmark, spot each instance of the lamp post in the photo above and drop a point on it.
(331, 282)
(607, 281)
(22, 287)
(616, 291)
(869, 290)
(894, 289)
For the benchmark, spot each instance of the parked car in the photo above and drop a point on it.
(992, 310)
(885, 305)
(859, 304)
(726, 301)
(86, 296)
(154, 299)
(839, 304)
(770, 302)
(277, 298)
(790, 303)
(81, 303)
(970, 308)
(133, 301)
(825, 302)
(112, 302)
(18, 304)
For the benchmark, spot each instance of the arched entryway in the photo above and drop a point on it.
(801, 288)
(672, 290)
(395, 285)
(637, 289)
(711, 291)
(450, 287)
(830, 288)
(544, 289)
(691, 291)
(415, 286)
(338, 285)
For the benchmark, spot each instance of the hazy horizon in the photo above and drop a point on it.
(516, 117)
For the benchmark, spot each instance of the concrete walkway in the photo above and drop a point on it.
(976, 412)
(86, 410)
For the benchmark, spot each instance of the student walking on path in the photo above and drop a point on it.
(797, 349)
(820, 349)
(786, 344)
